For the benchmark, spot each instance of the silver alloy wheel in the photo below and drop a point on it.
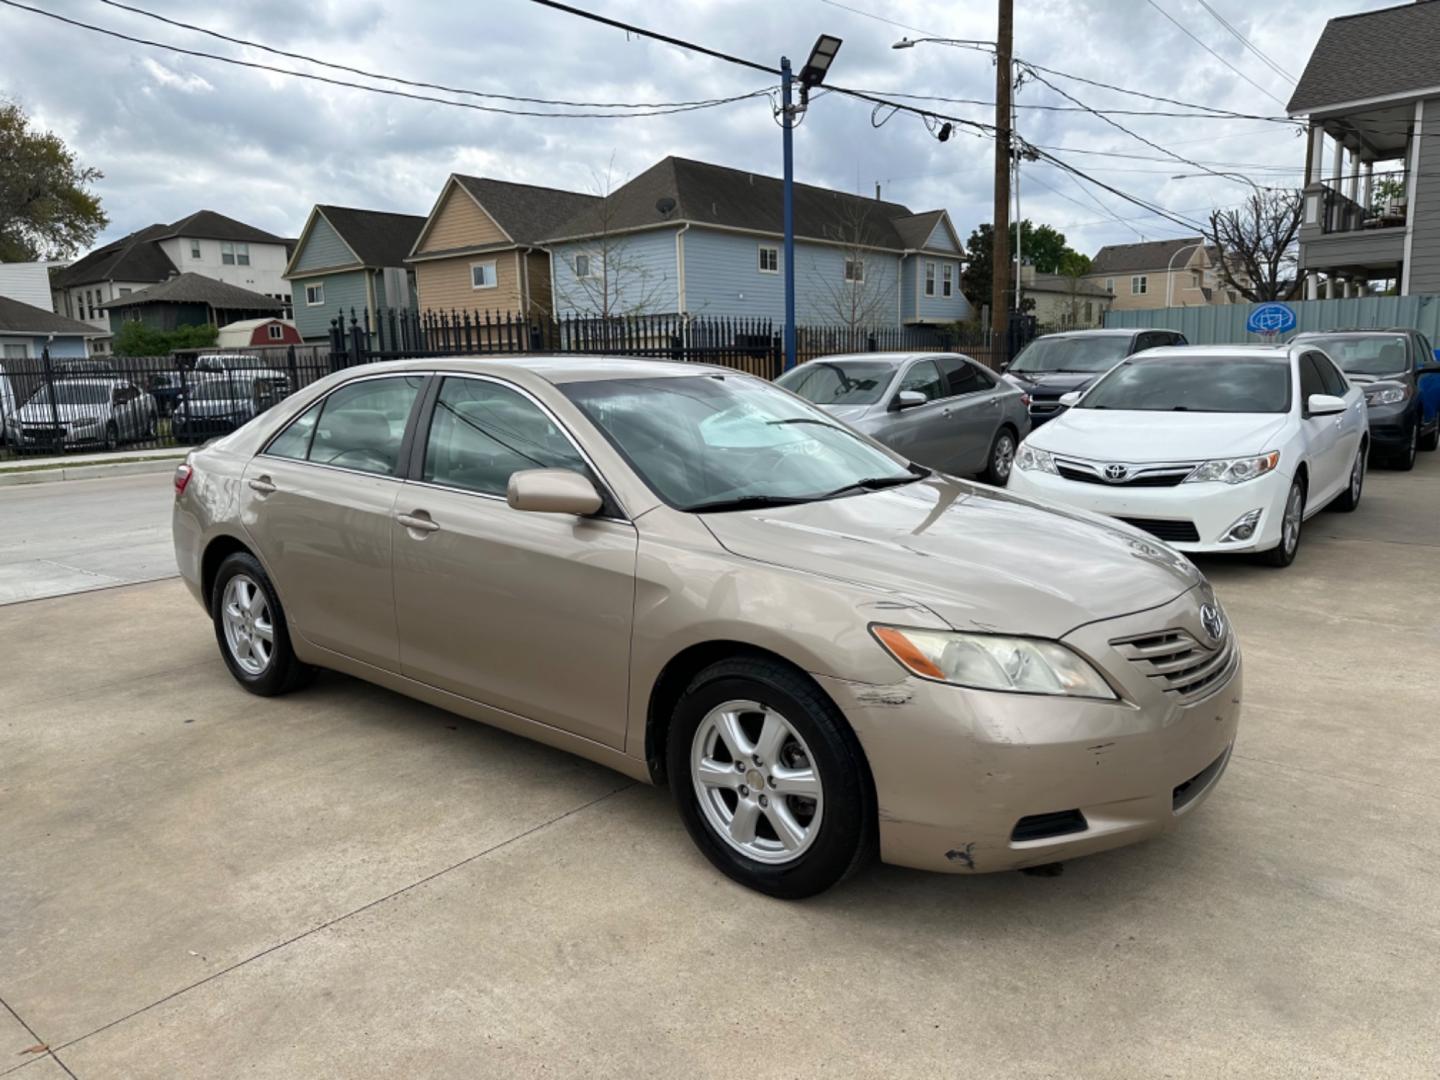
(1357, 474)
(1294, 508)
(249, 630)
(1004, 456)
(756, 782)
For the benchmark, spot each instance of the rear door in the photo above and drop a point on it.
(974, 413)
(318, 504)
(522, 611)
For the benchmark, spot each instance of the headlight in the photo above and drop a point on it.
(1033, 460)
(991, 662)
(1235, 470)
(1388, 395)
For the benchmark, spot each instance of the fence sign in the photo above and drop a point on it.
(1271, 319)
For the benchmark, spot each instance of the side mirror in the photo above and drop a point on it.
(1069, 399)
(1324, 405)
(908, 399)
(1427, 369)
(552, 491)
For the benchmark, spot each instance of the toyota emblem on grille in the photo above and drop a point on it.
(1213, 621)
(1116, 473)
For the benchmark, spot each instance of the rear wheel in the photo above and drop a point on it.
(769, 779)
(1405, 459)
(1351, 498)
(1283, 553)
(250, 628)
(1431, 441)
(1001, 459)
(112, 436)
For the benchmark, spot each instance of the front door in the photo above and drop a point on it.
(922, 432)
(319, 502)
(522, 611)
(1330, 466)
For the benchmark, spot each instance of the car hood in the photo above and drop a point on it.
(1056, 382)
(978, 557)
(213, 408)
(39, 413)
(848, 413)
(1103, 435)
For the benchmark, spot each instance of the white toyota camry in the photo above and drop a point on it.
(1223, 448)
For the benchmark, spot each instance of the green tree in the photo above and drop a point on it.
(46, 209)
(1043, 246)
(137, 339)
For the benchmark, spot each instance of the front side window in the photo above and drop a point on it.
(924, 377)
(855, 271)
(732, 442)
(1332, 380)
(1229, 384)
(359, 426)
(482, 275)
(929, 278)
(1139, 285)
(315, 294)
(481, 432)
(769, 259)
(948, 274)
(839, 382)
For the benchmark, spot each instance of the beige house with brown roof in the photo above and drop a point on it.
(479, 248)
(1160, 273)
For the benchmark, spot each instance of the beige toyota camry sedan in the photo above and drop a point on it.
(699, 579)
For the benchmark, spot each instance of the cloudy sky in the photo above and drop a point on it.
(174, 133)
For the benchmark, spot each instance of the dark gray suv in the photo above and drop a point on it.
(1053, 365)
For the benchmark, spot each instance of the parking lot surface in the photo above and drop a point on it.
(343, 883)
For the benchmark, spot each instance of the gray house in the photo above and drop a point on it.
(687, 237)
(1372, 183)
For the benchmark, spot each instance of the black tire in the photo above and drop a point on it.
(1002, 458)
(284, 671)
(1432, 441)
(1283, 553)
(1404, 460)
(1350, 498)
(112, 436)
(846, 834)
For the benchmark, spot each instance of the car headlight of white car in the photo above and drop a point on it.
(993, 662)
(1387, 395)
(1235, 470)
(1032, 459)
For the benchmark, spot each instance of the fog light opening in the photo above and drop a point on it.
(1243, 529)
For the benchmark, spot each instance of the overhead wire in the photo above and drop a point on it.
(1249, 45)
(1184, 30)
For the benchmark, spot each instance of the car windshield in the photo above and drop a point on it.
(730, 442)
(232, 363)
(1364, 354)
(73, 393)
(1225, 384)
(1058, 353)
(217, 390)
(839, 382)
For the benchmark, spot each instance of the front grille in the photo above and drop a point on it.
(1047, 826)
(1179, 664)
(1150, 474)
(1143, 480)
(1180, 532)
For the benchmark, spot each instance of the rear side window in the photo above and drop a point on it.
(359, 426)
(963, 377)
(482, 432)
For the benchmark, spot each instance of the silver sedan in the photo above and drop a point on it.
(943, 410)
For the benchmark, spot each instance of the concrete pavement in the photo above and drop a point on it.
(343, 883)
(58, 538)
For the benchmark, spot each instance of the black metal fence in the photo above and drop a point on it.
(58, 405)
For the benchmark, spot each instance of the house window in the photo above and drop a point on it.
(195, 249)
(17, 352)
(1196, 279)
(769, 259)
(1089, 313)
(855, 271)
(1139, 285)
(315, 294)
(948, 282)
(1110, 285)
(584, 268)
(124, 290)
(276, 332)
(234, 254)
(929, 278)
(482, 275)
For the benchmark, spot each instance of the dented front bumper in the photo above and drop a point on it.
(971, 781)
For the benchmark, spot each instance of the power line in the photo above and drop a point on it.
(1180, 26)
(246, 43)
(629, 28)
(1207, 115)
(1271, 64)
(666, 111)
(1084, 191)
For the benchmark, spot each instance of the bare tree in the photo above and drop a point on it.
(608, 275)
(1257, 245)
(863, 293)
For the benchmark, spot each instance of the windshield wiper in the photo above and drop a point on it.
(871, 484)
(746, 502)
(806, 420)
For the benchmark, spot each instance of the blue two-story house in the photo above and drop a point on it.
(687, 237)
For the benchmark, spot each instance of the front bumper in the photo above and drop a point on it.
(1390, 427)
(971, 782)
(34, 438)
(1210, 508)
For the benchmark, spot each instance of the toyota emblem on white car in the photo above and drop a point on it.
(1116, 473)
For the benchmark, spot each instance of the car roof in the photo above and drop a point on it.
(1215, 352)
(557, 369)
(1374, 331)
(895, 359)
(1126, 331)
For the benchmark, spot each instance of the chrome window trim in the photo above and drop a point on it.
(549, 413)
(264, 451)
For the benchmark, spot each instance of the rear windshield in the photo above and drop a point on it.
(1225, 384)
(1364, 354)
(1079, 354)
(838, 382)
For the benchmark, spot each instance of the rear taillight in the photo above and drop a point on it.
(1025, 400)
(182, 478)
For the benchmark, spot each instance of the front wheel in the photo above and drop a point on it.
(1001, 459)
(769, 779)
(1283, 553)
(250, 628)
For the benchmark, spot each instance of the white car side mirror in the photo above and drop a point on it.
(1070, 399)
(1324, 405)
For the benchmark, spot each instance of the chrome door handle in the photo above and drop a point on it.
(419, 524)
(262, 484)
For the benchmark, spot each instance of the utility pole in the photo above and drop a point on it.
(1000, 229)
(788, 123)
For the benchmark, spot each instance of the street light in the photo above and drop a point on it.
(1226, 175)
(811, 75)
(1169, 276)
(960, 43)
